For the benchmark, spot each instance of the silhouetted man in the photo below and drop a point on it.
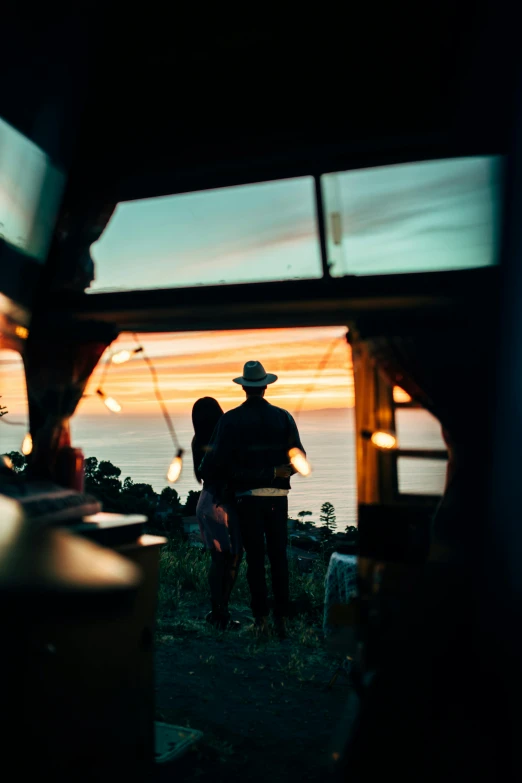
(255, 438)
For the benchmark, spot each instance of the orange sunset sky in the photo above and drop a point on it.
(192, 365)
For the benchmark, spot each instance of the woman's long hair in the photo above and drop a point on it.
(206, 413)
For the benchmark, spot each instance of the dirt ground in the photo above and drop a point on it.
(263, 707)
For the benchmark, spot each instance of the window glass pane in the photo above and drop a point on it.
(421, 476)
(13, 397)
(414, 217)
(30, 194)
(418, 429)
(244, 234)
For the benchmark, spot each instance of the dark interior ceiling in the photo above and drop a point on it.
(157, 100)
(172, 99)
(192, 102)
(432, 299)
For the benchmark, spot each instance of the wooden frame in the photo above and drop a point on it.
(415, 299)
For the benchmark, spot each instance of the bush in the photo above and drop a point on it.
(306, 543)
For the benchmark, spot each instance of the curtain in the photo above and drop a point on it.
(59, 360)
(59, 357)
(444, 367)
(426, 687)
(439, 370)
(70, 259)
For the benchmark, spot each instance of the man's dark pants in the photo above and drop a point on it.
(265, 519)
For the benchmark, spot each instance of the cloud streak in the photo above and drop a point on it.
(203, 363)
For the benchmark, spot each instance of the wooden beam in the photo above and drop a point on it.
(387, 302)
(441, 454)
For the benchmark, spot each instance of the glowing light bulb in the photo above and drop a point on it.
(8, 462)
(299, 462)
(22, 332)
(384, 440)
(112, 404)
(175, 467)
(399, 395)
(121, 357)
(27, 445)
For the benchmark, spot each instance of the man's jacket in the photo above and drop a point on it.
(248, 443)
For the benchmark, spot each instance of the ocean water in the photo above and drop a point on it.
(141, 447)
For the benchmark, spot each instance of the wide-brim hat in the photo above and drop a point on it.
(254, 374)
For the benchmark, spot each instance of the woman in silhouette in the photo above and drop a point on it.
(217, 518)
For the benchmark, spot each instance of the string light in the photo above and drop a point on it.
(22, 332)
(384, 440)
(109, 402)
(8, 462)
(27, 445)
(112, 404)
(120, 357)
(322, 364)
(399, 395)
(175, 467)
(299, 462)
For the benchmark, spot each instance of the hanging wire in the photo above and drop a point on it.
(103, 375)
(321, 366)
(105, 370)
(109, 402)
(159, 397)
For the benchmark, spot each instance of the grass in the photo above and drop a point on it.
(183, 585)
(262, 705)
(184, 600)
